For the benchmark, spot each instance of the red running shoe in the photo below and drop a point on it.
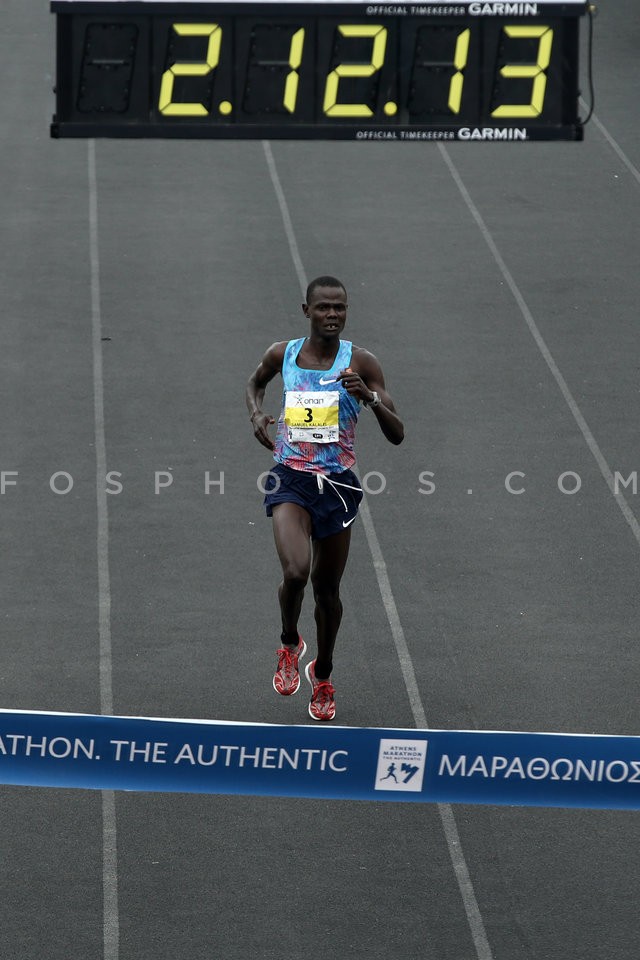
(322, 705)
(286, 679)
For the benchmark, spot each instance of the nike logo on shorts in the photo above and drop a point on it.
(345, 523)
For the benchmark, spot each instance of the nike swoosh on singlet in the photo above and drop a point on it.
(325, 382)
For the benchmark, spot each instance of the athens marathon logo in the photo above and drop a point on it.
(401, 765)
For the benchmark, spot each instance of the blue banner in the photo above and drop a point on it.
(327, 762)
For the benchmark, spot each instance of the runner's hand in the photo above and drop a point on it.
(355, 385)
(260, 423)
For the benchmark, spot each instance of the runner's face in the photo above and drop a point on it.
(327, 311)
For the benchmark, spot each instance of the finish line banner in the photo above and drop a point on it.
(324, 762)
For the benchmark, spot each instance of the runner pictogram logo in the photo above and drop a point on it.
(401, 765)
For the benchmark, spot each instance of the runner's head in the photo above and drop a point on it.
(325, 282)
(326, 306)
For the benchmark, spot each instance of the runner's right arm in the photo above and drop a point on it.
(269, 366)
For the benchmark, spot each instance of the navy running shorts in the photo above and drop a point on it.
(331, 501)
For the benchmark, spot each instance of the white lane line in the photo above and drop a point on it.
(450, 827)
(111, 936)
(447, 817)
(286, 219)
(590, 440)
(615, 146)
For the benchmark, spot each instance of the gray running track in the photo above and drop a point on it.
(484, 278)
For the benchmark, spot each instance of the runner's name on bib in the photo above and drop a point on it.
(312, 417)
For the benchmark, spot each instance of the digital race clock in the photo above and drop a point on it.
(334, 70)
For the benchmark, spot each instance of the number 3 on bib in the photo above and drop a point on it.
(312, 417)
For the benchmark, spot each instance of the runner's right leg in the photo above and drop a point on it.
(292, 533)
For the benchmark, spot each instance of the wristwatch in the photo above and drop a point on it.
(374, 402)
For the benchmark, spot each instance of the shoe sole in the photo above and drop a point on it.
(291, 693)
(307, 670)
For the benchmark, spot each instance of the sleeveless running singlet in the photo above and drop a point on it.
(316, 427)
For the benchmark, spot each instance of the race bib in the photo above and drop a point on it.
(312, 417)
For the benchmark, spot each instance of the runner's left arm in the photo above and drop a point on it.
(364, 378)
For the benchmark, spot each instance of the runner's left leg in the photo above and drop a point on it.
(329, 561)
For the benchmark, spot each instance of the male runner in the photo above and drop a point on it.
(312, 493)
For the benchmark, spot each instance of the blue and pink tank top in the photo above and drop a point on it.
(316, 427)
